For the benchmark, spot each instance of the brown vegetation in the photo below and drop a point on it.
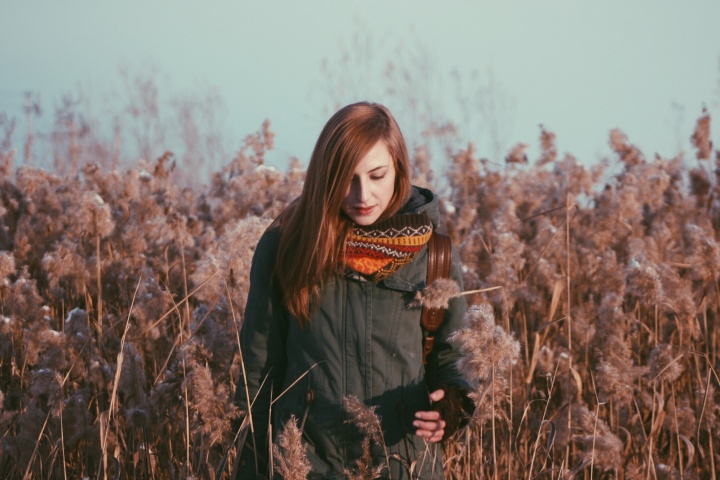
(594, 335)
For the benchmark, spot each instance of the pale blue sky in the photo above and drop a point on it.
(579, 68)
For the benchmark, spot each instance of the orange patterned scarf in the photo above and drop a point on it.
(378, 250)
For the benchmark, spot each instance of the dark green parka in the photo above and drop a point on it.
(363, 340)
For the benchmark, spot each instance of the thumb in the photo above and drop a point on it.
(437, 395)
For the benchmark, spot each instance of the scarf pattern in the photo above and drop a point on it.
(377, 251)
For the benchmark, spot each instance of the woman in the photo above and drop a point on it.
(329, 317)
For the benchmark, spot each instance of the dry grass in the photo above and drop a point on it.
(595, 333)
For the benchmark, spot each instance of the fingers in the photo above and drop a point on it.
(430, 416)
(437, 395)
(429, 426)
(430, 431)
(437, 436)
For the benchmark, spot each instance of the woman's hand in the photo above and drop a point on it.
(429, 424)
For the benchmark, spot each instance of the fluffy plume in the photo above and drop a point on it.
(703, 252)
(228, 263)
(368, 422)
(547, 142)
(664, 366)
(484, 345)
(643, 281)
(680, 418)
(701, 136)
(45, 388)
(437, 294)
(289, 453)
(95, 213)
(616, 369)
(517, 154)
(210, 402)
(598, 445)
(364, 418)
(364, 465)
(7, 267)
(628, 153)
(708, 410)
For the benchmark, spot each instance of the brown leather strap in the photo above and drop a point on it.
(439, 253)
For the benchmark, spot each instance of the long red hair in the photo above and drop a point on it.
(313, 227)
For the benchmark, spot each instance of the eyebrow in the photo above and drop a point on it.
(374, 170)
(378, 168)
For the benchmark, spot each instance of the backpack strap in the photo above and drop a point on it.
(439, 253)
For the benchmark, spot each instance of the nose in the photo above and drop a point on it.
(361, 191)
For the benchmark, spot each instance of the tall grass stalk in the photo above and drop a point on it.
(188, 465)
(568, 204)
(62, 446)
(542, 421)
(494, 442)
(27, 475)
(175, 308)
(116, 382)
(248, 420)
(677, 430)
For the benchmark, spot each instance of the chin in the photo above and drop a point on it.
(364, 221)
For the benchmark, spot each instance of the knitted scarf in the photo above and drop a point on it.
(378, 250)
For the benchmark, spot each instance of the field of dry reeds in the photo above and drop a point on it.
(595, 332)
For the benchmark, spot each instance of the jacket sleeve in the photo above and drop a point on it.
(262, 343)
(441, 370)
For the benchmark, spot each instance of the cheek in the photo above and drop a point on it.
(390, 190)
(347, 198)
(389, 194)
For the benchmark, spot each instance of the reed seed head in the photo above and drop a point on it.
(364, 418)
(289, 454)
(664, 366)
(484, 346)
(437, 295)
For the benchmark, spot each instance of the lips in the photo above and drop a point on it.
(364, 210)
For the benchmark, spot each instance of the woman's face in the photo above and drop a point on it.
(372, 186)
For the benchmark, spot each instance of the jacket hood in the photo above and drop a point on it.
(423, 200)
(407, 278)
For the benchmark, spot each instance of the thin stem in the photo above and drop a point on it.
(239, 444)
(99, 285)
(493, 424)
(510, 427)
(185, 285)
(187, 419)
(712, 454)
(542, 421)
(481, 290)
(116, 383)
(677, 430)
(569, 316)
(62, 445)
(37, 444)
